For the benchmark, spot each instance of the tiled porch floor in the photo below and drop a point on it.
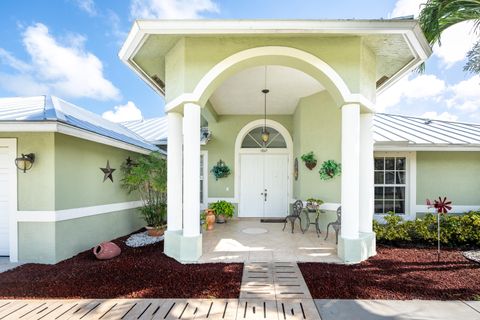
(228, 243)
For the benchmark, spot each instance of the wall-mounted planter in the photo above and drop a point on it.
(220, 170)
(309, 160)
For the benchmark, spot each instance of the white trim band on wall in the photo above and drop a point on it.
(75, 213)
(420, 208)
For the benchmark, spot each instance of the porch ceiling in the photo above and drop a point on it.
(241, 94)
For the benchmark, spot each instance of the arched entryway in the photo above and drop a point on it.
(263, 179)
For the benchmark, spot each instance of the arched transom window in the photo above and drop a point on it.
(253, 139)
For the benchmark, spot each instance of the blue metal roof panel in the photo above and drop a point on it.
(45, 108)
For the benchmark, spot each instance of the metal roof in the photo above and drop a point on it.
(398, 129)
(388, 130)
(153, 130)
(45, 108)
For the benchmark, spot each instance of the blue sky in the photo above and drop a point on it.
(69, 48)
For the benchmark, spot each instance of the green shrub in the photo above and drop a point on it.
(455, 230)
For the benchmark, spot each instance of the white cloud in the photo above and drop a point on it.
(8, 59)
(66, 69)
(88, 6)
(424, 86)
(171, 9)
(440, 116)
(122, 113)
(456, 41)
(23, 85)
(465, 95)
(407, 8)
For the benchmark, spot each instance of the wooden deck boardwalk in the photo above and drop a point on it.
(158, 309)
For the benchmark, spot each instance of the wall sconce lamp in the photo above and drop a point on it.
(25, 162)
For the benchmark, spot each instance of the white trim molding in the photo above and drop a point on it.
(75, 213)
(11, 144)
(203, 89)
(423, 208)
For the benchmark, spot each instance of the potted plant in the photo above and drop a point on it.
(147, 177)
(309, 159)
(155, 217)
(223, 210)
(313, 204)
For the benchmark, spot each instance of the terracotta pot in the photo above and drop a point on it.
(210, 218)
(311, 165)
(106, 250)
(221, 218)
(155, 231)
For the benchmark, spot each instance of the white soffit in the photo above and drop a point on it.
(242, 93)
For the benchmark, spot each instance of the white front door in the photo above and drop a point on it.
(276, 185)
(5, 167)
(263, 185)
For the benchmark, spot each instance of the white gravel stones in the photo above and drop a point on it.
(473, 255)
(142, 239)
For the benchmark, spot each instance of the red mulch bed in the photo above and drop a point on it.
(397, 273)
(137, 273)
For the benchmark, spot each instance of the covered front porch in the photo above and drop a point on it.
(321, 77)
(247, 239)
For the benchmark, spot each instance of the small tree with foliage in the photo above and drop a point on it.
(147, 175)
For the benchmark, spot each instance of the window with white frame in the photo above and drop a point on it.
(390, 184)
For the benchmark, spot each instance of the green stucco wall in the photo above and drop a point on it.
(451, 174)
(222, 146)
(317, 128)
(36, 187)
(348, 56)
(78, 179)
(66, 175)
(50, 242)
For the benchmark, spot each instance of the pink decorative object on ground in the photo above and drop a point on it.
(106, 250)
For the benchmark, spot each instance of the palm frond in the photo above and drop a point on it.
(473, 59)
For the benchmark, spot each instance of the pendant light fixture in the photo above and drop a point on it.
(265, 133)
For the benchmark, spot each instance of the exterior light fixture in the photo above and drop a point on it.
(265, 133)
(25, 162)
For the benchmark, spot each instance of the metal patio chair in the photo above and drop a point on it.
(336, 225)
(296, 211)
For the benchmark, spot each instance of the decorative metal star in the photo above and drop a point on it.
(107, 171)
(129, 162)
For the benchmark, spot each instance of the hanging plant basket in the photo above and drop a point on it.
(310, 160)
(330, 169)
(220, 170)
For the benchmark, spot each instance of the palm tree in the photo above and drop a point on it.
(438, 15)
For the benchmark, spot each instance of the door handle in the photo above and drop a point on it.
(264, 194)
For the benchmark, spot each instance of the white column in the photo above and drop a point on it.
(350, 170)
(191, 170)
(366, 172)
(174, 172)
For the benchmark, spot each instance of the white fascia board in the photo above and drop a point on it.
(53, 126)
(202, 27)
(420, 50)
(424, 147)
(87, 135)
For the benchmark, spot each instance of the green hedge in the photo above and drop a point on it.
(455, 230)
